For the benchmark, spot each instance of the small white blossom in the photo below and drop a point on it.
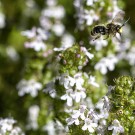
(58, 29)
(99, 44)
(55, 12)
(78, 95)
(28, 86)
(90, 2)
(51, 2)
(92, 81)
(103, 106)
(67, 81)
(90, 16)
(106, 63)
(30, 3)
(29, 33)
(68, 97)
(90, 125)
(50, 89)
(37, 45)
(45, 23)
(49, 127)
(33, 117)
(54, 128)
(41, 34)
(76, 114)
(79, 113)
(92, 115)
(37, 33)
(67, 41)
(131, 56)
(2, 20)
(106, 103)
(11, 52)
(70, 121)
(116, 127)
(7, 127)
(88, 54)
(79, 81)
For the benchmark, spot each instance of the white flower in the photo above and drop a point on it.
(106, 63)
(90, 16)
(92, 81)
(55, 12)
(90, 2)
(58, 29)
(90, 125)
(70, 121)
(7, 127)
(77, 3)
(37, 45)
(99, 44)
(67, 41)
(78, 95)
(79, 113)
(131, 56)
(38, 36)
(28, 86)
(45, 23)
(88, 54)
(106, 103)
(29, 33)
(116, 127)
(49, 127)
(79, 81)
(38, 33)
(67, 81)
(41, 34)
(51, 2)
(68, 97)
(2, 20)
(50, 89)
(33, 117)
(16, 131)
(11, 52)
(92, 115)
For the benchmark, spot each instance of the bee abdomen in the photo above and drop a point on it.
(98, 30)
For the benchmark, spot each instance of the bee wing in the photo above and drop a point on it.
(118, 18)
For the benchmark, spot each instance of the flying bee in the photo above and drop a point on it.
(111, 28)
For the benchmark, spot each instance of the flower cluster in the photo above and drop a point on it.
(106, 63)
(90, 119)
(7, 127)
(29, 87)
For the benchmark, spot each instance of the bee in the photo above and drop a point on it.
(111, 28)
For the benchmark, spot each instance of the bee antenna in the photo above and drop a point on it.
(125, 22)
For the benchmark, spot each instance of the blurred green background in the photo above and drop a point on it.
(20, 17)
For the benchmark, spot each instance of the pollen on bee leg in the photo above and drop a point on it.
(120, 31)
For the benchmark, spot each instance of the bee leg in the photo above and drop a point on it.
(96, 38)
(120, 34)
